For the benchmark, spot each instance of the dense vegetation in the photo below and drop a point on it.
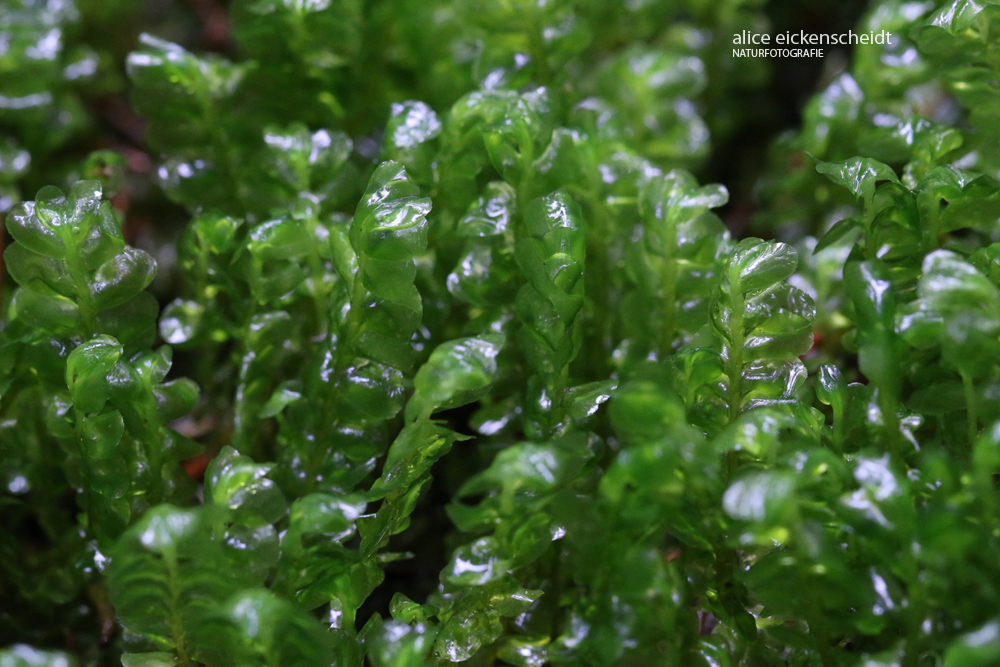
(401, 334)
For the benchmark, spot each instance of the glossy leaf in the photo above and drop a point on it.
(763, 325)
(859, 175)
(458, 372)
(389, 229)
(168, 577)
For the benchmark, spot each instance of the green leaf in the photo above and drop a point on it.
(388, 231)
(486, 274)
(551, 252)
(676, 265)
(102, 433)
(966, 306)
(458, 372)
(956, 199)
(238, 483)
(583, 401)
(373, 388)
(530, 468)
(392, 518)
(755, 265)
(411, 456)
(137, 389)
(308, 161)
(48, 311)
(330, 515)
(87, 370)
(390, 221)
(133, 323)
(763, 325)
(180, 321)
(264, 351)
(874, 302)
(831, 388)
(167, 578)
(122, 277)
(859, 175)
(286, 394)
(27, 267)
(838, 231)
(174, 86)
(106, 166)
(398, 644)
(259, 628)
(37, 228)
(475, 618)
(79, 279)
(956, 25)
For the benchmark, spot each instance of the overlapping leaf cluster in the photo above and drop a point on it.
(493, 280)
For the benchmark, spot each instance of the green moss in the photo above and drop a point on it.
(477, 374)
